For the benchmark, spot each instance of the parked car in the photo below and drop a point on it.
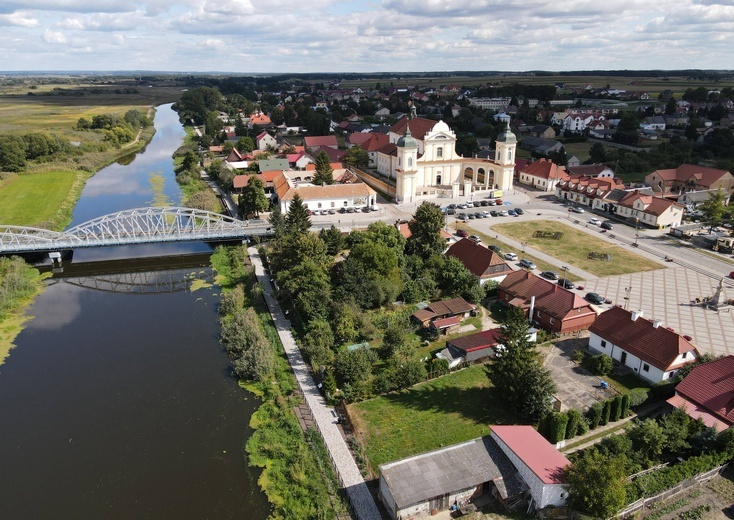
(342, 210)
(577, 209)
(549, 275)
(498, 202)
(519, 211)
(496, 249)
(494, 213)
(451, 211)
(510, 256)
(527, 264)
(607, 225)
(566, 283)
(484, 203)
(594, 298)
(472, 216)
(462, 216)
(731, 274)
(503, 213)
(332, 212)
(491, 203)
(594, 221)
(475, 238)
(462, 233)
(512, 213)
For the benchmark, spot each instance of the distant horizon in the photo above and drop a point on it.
(334, 36)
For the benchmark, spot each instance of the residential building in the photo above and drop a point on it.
(540, 146)
(266, 165)
(653, 352)
(552, 307)
(596, 170)
(653, 124)
(481, 261)
(321, 140)
(351, 194)
(443, 309)
(538, 462)
(646, 209)
(476, 347)
(689, 177)
(585, 190)
(707, 393)
(542, 174)
(265, 140)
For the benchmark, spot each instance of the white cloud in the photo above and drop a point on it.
(19, 19)
(53, 37)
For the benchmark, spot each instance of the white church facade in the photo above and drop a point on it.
(421, 159)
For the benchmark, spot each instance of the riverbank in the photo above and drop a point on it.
(297, 475)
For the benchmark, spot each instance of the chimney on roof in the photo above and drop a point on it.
(532, 307)
(655, 324)
(636, 314)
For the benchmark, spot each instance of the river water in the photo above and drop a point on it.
(117, 402)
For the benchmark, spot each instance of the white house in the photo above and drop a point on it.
(539, 463)
(341, 196)
(264, 140)
(542, 174)
(653, 352)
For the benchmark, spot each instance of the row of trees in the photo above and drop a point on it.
(117, 130)
(17, 149)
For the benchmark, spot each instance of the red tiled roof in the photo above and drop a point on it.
(657, 346)
(480, 340)
(697, 412)
(711, 386)
(358, 138)
(334, 166)
(423, 315)
(446, 322)
(550, 298)
(375, 142)
(419, 126)
(453, 306)
(537, 453)
(545, 169)
(588, 170)
(704, 176)
(479, 260)
(320, 140)
(269, 175)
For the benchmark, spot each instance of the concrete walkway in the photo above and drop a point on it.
(350, 477)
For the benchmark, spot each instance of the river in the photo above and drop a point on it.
(119, 404)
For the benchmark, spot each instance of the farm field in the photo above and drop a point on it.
(31, 199)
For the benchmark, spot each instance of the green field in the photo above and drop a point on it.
(28, 200)
(451, 409)
(575, 245)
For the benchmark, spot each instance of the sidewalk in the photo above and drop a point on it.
(350, 477)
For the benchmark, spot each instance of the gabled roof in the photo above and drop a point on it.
(453, 306)
(480, 340)
(550, 297)
(479, 260)
(545, 169)
(320, 140)
(656, 345)
(589, 170)
(704, 176)
(710, 387)
(375, 141)
(358, 138)
(419, 127)
(535, 451)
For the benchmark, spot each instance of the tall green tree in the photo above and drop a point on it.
(713, 209)
(253, 199)
(425, 228)
(297, 219)
(516, 373)
(324, 172)
(597, 483)
(356, 156)
(597, 154)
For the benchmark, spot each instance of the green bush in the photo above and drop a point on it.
(606, 411)
(574, 417)
(625, 408)
(594, 415)
(583, 426)
(578, 355)
(558, 423)
(653, 483)
(616, 409)
(601, 365)
(637, 397)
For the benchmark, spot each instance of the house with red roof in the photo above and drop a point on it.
(542, 174)
(689, 177)
(481, 261)
(586, 190)
(552, 307)
(707, 393)
(455, 307)
(374, 143)
(317, 141)
(299, 160)
(258, 118)
(647, 209)
(265, 140)
(541, 466)
(653, 352)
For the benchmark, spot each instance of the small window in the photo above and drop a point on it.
(333, 204)
(410, 161)
(685, 355)
(537, 313)
(603, 344)
(319, 205)
(645, 367)
(346, 203)
(439, 151)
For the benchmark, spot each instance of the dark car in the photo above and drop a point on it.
(519, 211)
(496, 249)
(462, 233)
(472, 215)
(493, 213)
(566, 283)
(484, 203)
(594, 298)
(451, 211)
(512, 213)
(549, 275)
(607, 225)
(342, 210)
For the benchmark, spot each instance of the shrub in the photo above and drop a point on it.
(616, 409)
(583, 426)
(439, 367)
(637, 397)
(606, 411)
(601, 365)
(574, 417)
(594, 415)
(578, 355)
(558, 423)
(625, 408)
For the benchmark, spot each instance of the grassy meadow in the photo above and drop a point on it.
(31, 199)
(575, 245)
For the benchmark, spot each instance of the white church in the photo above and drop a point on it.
(422, 160)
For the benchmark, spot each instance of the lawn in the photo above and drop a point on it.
(574, 246)
(451, 409)
(27, 200)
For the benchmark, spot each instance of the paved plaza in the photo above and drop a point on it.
(666, 295)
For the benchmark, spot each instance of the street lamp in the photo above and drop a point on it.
(627, 291)
(523, 250)
(565, 269)
(637, 230)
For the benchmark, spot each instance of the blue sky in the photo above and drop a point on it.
(365, 36)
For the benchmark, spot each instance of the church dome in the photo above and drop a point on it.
(407, 140)
(507, 136)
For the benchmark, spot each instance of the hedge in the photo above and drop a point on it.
(606, 411)
(574, 417)
(625, 405)
(558, 423)
(594, 414)
(616, 410)
(656, 482)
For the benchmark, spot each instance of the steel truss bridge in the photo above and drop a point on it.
(134, 226)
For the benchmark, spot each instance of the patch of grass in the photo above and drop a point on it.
(625, 384)
(573, 248)
(444, 411)
(30, 199)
